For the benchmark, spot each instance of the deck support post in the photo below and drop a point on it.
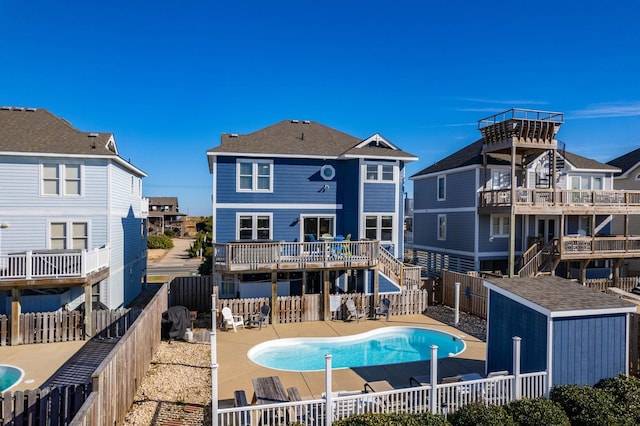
(275, 309)
(16, 310)
(512, 216)
(326, 311)
(583, 271)
(376, 291)
(88, 326)
(616, 272)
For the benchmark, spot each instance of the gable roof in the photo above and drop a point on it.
(33, 131)
(557, 297)
(627, 162)
(296, 138)
(163, 201)
(472, 155)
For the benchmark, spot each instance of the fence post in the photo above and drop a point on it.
(456, 318)
(517, 391)
(214, 362)
(328, 408)
(433, 395)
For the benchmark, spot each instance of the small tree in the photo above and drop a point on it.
(585, 405)
(537, 411)
(476, 413)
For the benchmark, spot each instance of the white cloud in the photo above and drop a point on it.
(619, 109)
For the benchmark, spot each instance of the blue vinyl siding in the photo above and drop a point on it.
(380, 197)
(587, 349)
(498, 244)
(348, 196)
(508, 318)
(460, 191)
(460, 230)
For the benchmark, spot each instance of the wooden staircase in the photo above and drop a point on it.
(536, 261)
(401, 274)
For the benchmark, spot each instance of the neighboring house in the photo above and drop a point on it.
(285, 195)
(164, 216)
(556, 218)
(628, 179)
(73, 217)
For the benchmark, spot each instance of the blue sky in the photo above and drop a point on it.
(168, 77)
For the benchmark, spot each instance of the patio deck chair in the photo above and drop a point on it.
(230, 320)
(383, 309)
(353, 311)
(261, 318)
(240, 400)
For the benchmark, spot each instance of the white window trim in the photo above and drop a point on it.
(254, 216)
(379, 225)
(444, 190)
(331, 169)
(442, 237)
(319, 215)
(378, 178)
(62, 178)
(69, 231)
(254, 174)
(503, 228)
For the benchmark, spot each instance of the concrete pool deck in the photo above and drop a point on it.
(236, 370)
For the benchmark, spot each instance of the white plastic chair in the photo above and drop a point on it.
(231, 320)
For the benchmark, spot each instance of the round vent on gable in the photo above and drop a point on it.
(327, 172)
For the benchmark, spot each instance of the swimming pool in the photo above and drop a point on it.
(9, 376)
(388, 345)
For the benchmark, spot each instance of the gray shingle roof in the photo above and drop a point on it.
(627, 161)
(472, 155)
(301, 138)
(31, 130)
(557, 294)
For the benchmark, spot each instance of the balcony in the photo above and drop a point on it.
(599, 247)
(278, 256)
(54, 268)
(568, 201)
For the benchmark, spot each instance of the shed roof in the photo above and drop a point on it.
(558, 297)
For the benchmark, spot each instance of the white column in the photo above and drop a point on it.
(456, 318)
(517, 391)
(328, 412)
(214, 362)
(433, 395)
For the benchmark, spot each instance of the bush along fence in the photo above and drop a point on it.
(65, 326)
(106, 398)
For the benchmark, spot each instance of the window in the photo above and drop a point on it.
(500, 179)
(256, 226)
(499, 226)
(379, 227)
(442, 227)
(379, 172)
(254, 176)
(597, 183)
(327, 172)
(64, 235)
(442, 185)
(51, 181)
(317, 226)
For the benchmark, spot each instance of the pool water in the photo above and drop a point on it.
(9, 376)
(388, 345)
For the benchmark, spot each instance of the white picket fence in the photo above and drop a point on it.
(449, 397)
(443, 398)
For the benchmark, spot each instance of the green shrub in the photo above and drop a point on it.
(476, 413)
(538, 411)
(171, 233)
(159, 242)
(392, 419)
(585, 405)
(625, 391)
(206, 266)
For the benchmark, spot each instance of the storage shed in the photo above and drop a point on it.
(578, 335)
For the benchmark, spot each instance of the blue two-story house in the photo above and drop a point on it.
(516, 202)
(299, 207)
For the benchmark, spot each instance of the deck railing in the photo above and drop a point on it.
(563, 197)
(579, 246)
(53, 263)
(289, 255)
(449, 397)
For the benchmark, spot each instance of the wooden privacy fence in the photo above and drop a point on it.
(49, 406)
(65, 326)
(310, 307)
(116, 380)
(473, 294)
(193, 292)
